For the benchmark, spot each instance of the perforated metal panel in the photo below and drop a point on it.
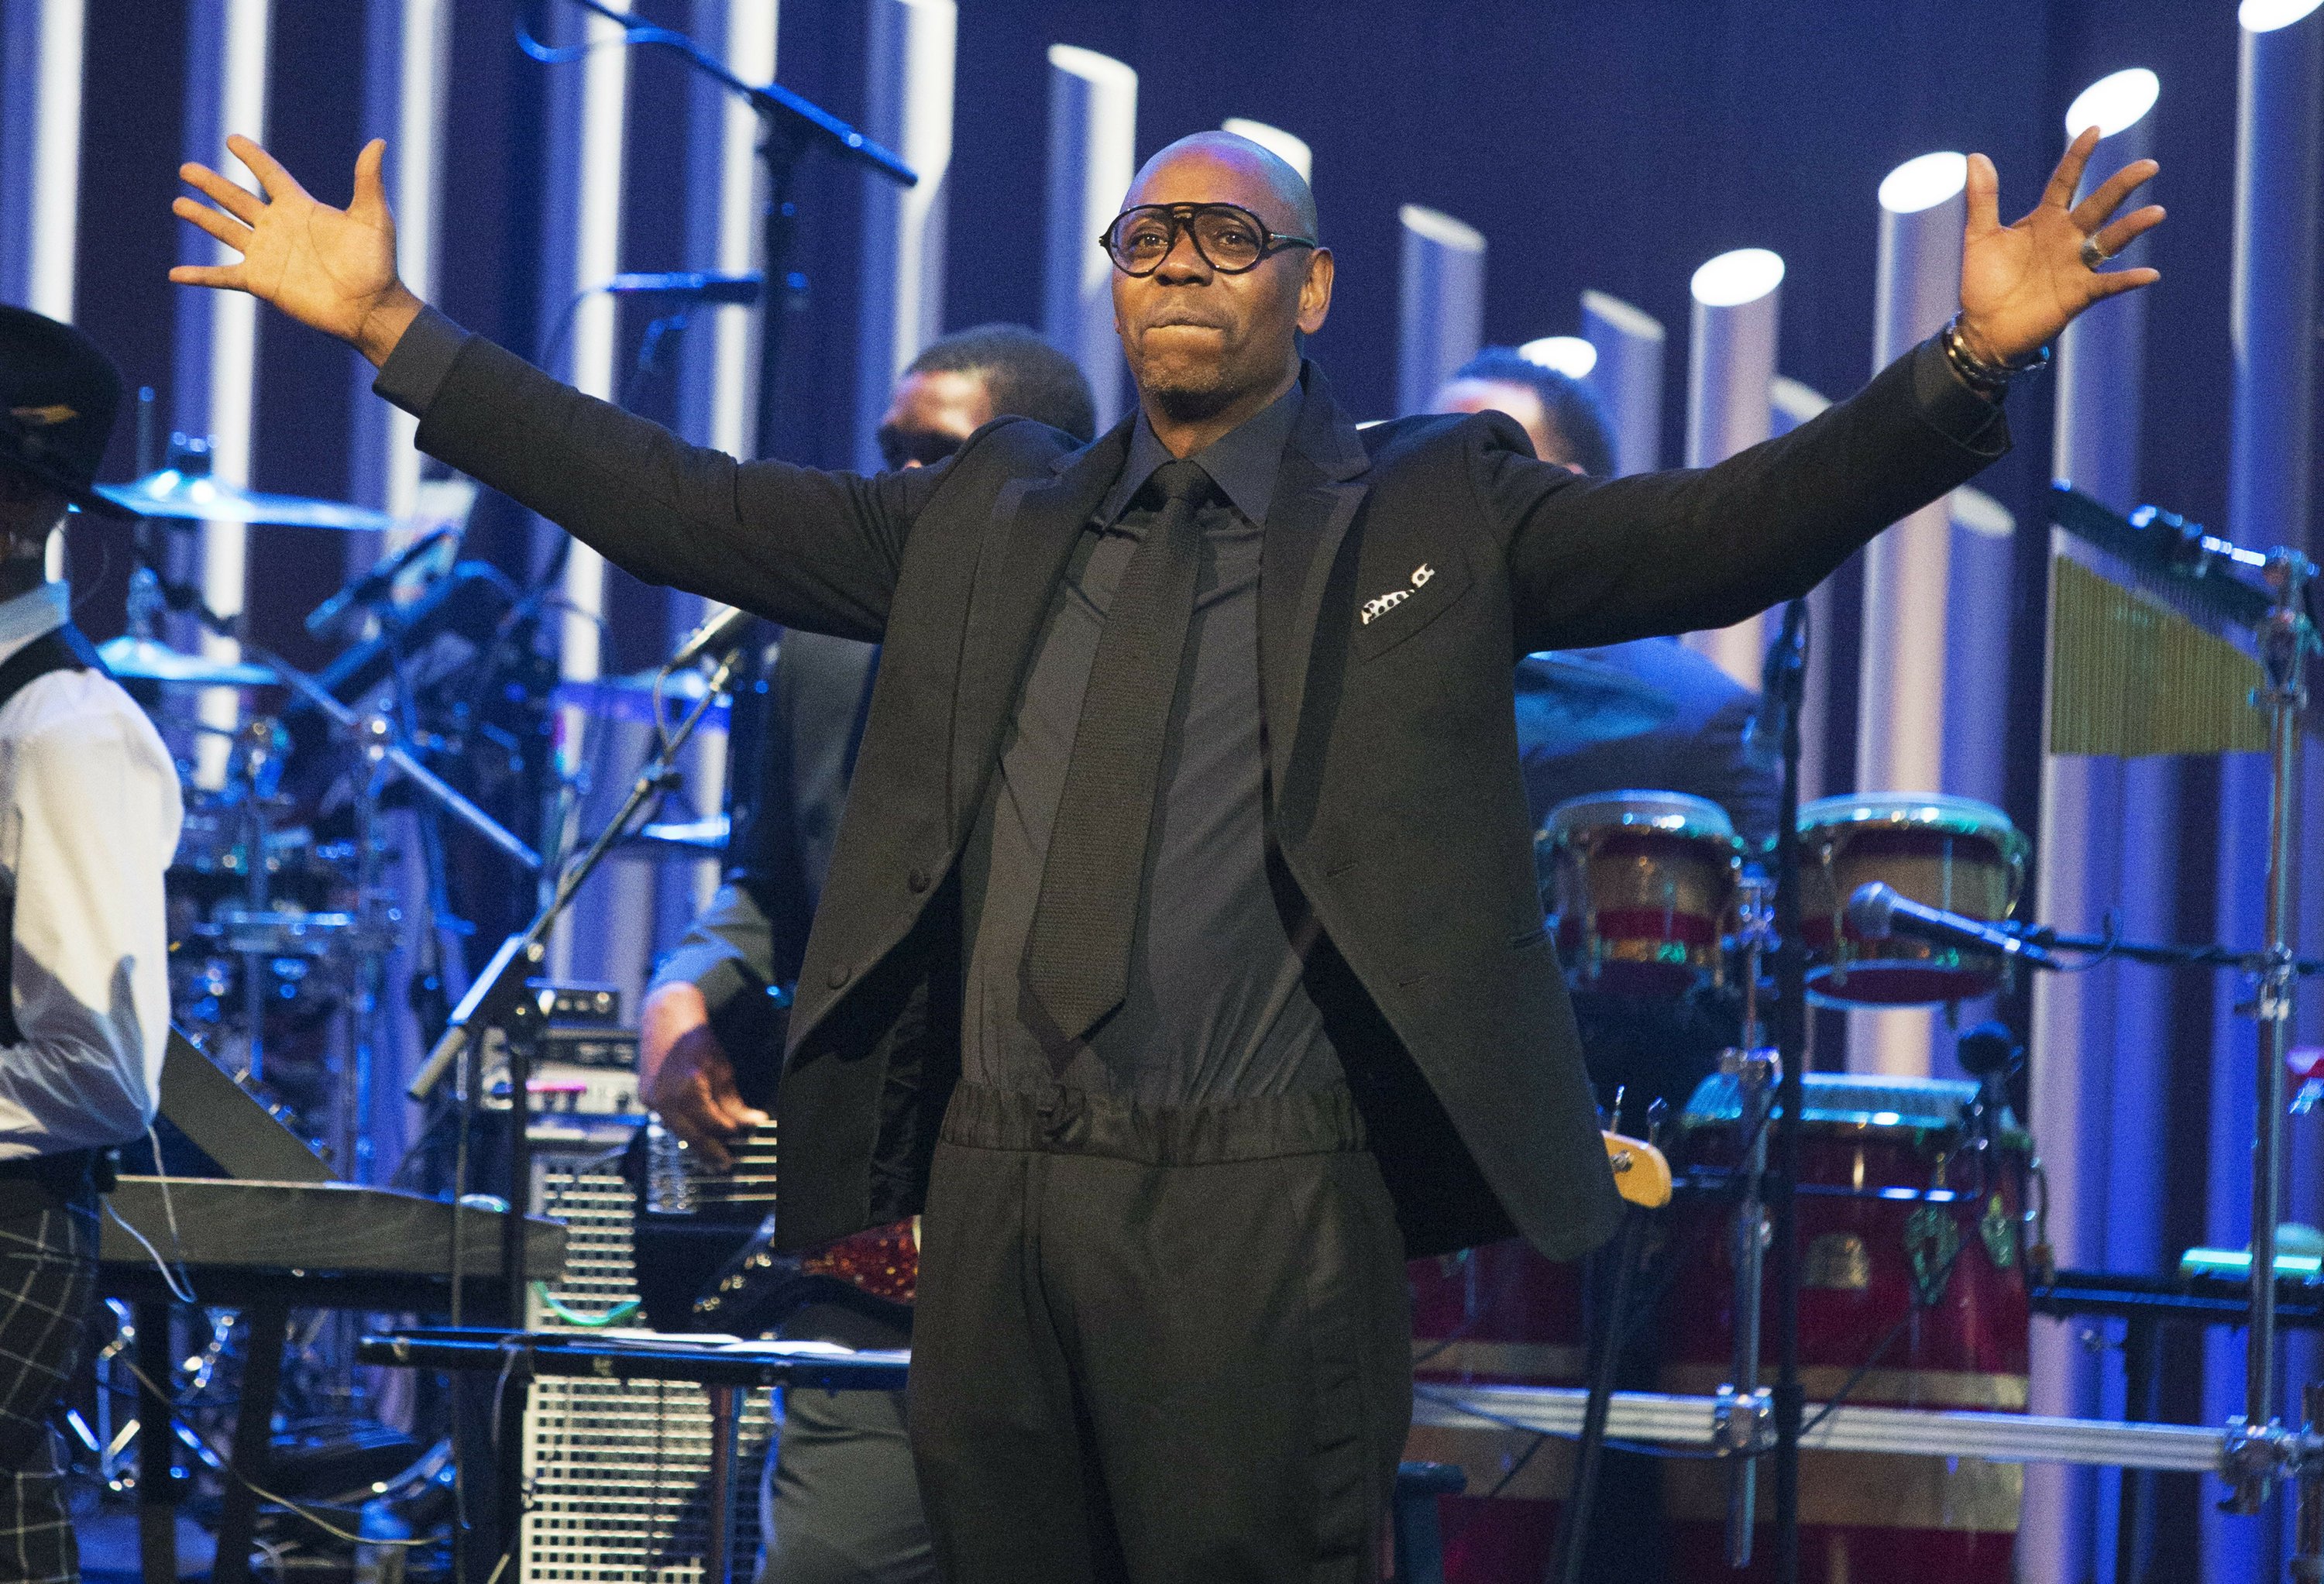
(617, 1472)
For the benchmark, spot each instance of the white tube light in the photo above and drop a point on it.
(750, 56)
(2120, 101)
(2264, 16)
(1733, 279)
(1923, 183)
(1292, 149)
(1570, 356)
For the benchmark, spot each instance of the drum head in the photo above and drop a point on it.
(1845, 1100)
(1672, 813)
(1935, 813)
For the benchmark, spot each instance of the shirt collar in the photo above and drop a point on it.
(1243, 462)
(33, 615)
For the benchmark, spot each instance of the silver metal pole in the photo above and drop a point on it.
(2284, 649)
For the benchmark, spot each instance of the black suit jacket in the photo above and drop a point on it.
(1392, 767)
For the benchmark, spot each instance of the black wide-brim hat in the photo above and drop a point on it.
(58, 397)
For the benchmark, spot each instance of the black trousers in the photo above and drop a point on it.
(48, 1293)
(1158, 1346)
(840, 1504)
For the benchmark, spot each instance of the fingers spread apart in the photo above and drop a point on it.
(236, 199)
(2107, 197)
(2068, 176)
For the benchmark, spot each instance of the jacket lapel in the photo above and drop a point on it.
(1023, 555)
(1315, 499)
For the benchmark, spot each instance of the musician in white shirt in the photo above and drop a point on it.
(89, 812)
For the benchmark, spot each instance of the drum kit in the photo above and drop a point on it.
(1913, 1200)
(284, 913)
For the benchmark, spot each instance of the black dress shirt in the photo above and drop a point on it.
(1215, 1009)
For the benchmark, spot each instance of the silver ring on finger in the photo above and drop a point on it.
(2093, 256)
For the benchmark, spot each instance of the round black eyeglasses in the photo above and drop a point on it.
(1231, 240)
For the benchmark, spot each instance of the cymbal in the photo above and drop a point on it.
(141, 659)
(689, 838)
(631, 697)
(196, 497)
(1570, 701)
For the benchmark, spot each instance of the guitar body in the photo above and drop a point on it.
(703, 1236)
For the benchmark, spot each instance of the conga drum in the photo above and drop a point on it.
(1499, 1315)
(1950, 852)
(1641, 890)
(1914, 1290)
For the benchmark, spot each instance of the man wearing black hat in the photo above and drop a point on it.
(89, 812)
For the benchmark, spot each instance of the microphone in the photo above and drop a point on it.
(1878, 911)
(687, 285)
(722, 632)
(373, 585)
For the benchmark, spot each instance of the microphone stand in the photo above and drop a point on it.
(790, 126)
(1787, 685)
(499, 997)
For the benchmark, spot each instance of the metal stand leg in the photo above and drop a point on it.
(516, 1393)
(254, 1439)
(160, 1482)
(2308, 1530)
(718, 1562)
(2133, 1523)
(1605, 1353)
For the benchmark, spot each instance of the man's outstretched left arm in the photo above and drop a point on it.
(1596, 562)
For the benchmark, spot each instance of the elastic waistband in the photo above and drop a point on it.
(1074, 1122)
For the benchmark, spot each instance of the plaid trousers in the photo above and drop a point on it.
(48, 1291)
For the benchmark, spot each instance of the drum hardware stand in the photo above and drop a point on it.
(1756, 1071)
(1784, 688)
(2259, 1451)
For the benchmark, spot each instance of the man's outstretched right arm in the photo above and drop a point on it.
(808, 548)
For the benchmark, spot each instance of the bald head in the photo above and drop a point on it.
(1264, 181)
(1208, 347)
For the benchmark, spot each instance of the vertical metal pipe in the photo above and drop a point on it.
(717, 373)
(2272, 312)
(1627, 378)
(1440, 320)
(1902, 664)
(40, 152)
(581, 237)
(1737, 299)
(1790, 404)
(908, 97)
(1901, 708)
(2102, 846)
(217, 351)
(408, 59)
(1092, 143)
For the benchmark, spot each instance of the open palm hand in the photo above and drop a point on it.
(2022, 284)
(332, 269)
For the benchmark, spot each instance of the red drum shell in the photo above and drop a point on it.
(1950, 852)
(1863, 1517)
(1498, 1315)
(1642, 884)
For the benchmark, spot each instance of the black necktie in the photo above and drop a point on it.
(1077, 962)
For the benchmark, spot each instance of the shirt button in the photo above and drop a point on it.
(918, 880)
(837, 976)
